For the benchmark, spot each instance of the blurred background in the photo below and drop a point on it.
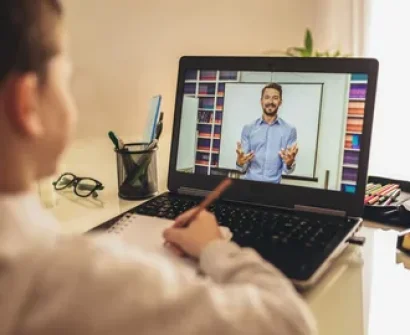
(124, 52)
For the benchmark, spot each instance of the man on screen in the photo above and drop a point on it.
(268, 145)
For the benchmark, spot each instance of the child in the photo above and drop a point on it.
(55, 284)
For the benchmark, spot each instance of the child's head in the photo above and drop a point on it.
(37, 111)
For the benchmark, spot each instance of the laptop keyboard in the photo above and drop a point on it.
(265, 229)
(249, 224)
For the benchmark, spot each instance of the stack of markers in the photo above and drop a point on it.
(377, 194)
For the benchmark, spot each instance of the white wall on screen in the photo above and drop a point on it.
(255, 77)
(187, 134)
(242, 106)
(332, 124)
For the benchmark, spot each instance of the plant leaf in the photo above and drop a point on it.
(336, 54)
(309, 41)
(306, 53)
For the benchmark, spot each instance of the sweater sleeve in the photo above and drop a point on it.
(81, 286)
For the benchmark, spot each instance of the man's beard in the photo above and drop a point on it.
(272, 112)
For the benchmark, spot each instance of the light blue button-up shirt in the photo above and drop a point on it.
(266, 140)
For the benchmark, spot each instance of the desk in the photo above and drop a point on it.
(364, 292)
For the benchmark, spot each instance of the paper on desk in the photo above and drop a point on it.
(146, 233)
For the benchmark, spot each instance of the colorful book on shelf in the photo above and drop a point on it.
(208, 135)
(349, 141)
(198, 162)
(354, 128)
(349, 174)
(355, 112)
(191, 75)
(357, 104)
(207, 75)
(359, 76)
(356, 141)
(358, 91)
(216, 146)
(206, 89)
(228, 75)
(352, 142)
(189, 88)
(354, 124)
(351, 157)
(349, 188)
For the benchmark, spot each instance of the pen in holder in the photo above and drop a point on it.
(137, 171)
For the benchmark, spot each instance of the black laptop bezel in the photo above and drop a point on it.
(284, 196)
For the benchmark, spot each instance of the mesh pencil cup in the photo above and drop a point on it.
(137, 171)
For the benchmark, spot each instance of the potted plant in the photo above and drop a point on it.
(308, 50)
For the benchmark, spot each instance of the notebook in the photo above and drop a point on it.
(299, 199)
(146, 233)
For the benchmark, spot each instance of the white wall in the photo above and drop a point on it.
(300, 108)
(126, 51)
(332, 126)
(338, 26)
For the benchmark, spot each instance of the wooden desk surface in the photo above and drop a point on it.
(365, 291)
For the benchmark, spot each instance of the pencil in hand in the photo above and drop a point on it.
(186, 218)
(210, 198)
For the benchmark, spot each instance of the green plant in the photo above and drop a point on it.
(308, 50)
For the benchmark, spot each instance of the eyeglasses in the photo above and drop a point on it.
(83, 186)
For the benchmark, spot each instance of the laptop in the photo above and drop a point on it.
(294, 135)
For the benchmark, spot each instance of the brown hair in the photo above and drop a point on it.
(274, 86)
(28, 35)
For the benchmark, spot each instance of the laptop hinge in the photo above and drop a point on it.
(318, 210)
(192, 191)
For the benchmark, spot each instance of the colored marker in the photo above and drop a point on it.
(114, 139)
(374, 188)
(392, 198)
(393, 187)
(373, 200)
(381, 189)
(367, 198)
(384, 197)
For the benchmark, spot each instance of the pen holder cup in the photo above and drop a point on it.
(137, 171)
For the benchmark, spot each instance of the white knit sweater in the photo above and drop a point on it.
(56, 284)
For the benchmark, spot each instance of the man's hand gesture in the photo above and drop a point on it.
(241, 157)
(288, 155)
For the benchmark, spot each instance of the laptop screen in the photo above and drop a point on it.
(301, 129)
